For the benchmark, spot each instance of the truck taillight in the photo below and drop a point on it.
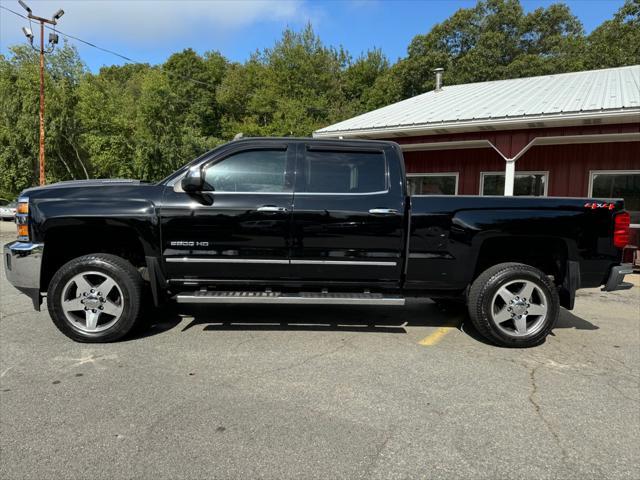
(621, 231)
(22, 219)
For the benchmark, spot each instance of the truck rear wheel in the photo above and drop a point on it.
(513, 305)
(95, 298)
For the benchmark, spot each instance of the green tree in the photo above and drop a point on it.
(107, 108)
(617, 41)
(19, 120)
(178, 115)
(290, 89)
(493, 40)
(359, 79)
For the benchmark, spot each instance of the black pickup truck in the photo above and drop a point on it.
(303, 221)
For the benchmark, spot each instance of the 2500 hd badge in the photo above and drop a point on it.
(186, 243)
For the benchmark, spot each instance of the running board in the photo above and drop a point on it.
(306, 298)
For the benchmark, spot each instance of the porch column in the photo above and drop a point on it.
(509, 176)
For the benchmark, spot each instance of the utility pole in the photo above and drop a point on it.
(53, 40)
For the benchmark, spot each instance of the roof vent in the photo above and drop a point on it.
(438, 72)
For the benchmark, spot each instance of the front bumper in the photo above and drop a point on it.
(22, 266)
(616, 278)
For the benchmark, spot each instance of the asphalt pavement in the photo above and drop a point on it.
(298, 392)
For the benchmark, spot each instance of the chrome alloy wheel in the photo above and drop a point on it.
(519, 308)
(92, 301)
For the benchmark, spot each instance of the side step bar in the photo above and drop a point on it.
(306, 298)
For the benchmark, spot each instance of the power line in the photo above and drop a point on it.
(124, 57)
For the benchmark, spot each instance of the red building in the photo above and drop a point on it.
(572, 134)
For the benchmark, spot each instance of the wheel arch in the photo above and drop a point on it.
(547, 253)
(65, 241)
(555, 256)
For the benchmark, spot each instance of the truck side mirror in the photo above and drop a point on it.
(192, 182)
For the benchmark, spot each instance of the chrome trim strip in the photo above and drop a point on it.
(341, 194)
(223, 260)
(279, 262)
(343, 262)
(219, 192)
(424, 255)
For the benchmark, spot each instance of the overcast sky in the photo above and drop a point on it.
(149, 31)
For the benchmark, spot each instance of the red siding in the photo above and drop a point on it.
(569, 165)
(468, 162)
(510, 142)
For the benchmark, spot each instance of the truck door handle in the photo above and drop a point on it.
(383, 211)
(272, 209)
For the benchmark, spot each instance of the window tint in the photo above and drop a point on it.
(432, 185)
(345, 172)
(524, 184)
(619, 185)
(249, 171)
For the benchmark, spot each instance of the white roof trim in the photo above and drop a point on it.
(560, 120)
(542, 141)
(456, 145)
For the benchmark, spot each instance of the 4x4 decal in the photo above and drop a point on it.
(594, 205)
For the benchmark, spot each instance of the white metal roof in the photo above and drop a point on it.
(596, 96)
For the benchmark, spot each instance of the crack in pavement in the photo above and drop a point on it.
(540, 415)
(22, 312)
(306, 360)
(378, 453)
(596, 353)
(244, 341)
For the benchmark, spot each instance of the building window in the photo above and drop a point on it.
(618, 184)
(526, 183)
(433, 183)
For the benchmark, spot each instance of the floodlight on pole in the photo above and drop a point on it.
(25, 6)
(58, 14)
(28, 33)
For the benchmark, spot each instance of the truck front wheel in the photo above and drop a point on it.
(513, 305)
(95, 298)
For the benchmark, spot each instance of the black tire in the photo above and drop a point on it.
(483, 311)
(128, 281)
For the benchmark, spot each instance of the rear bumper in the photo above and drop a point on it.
(22, 266)
(616, 278)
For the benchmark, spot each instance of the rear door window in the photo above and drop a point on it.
(342, 172)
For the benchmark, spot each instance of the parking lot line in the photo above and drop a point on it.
(436, 336)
